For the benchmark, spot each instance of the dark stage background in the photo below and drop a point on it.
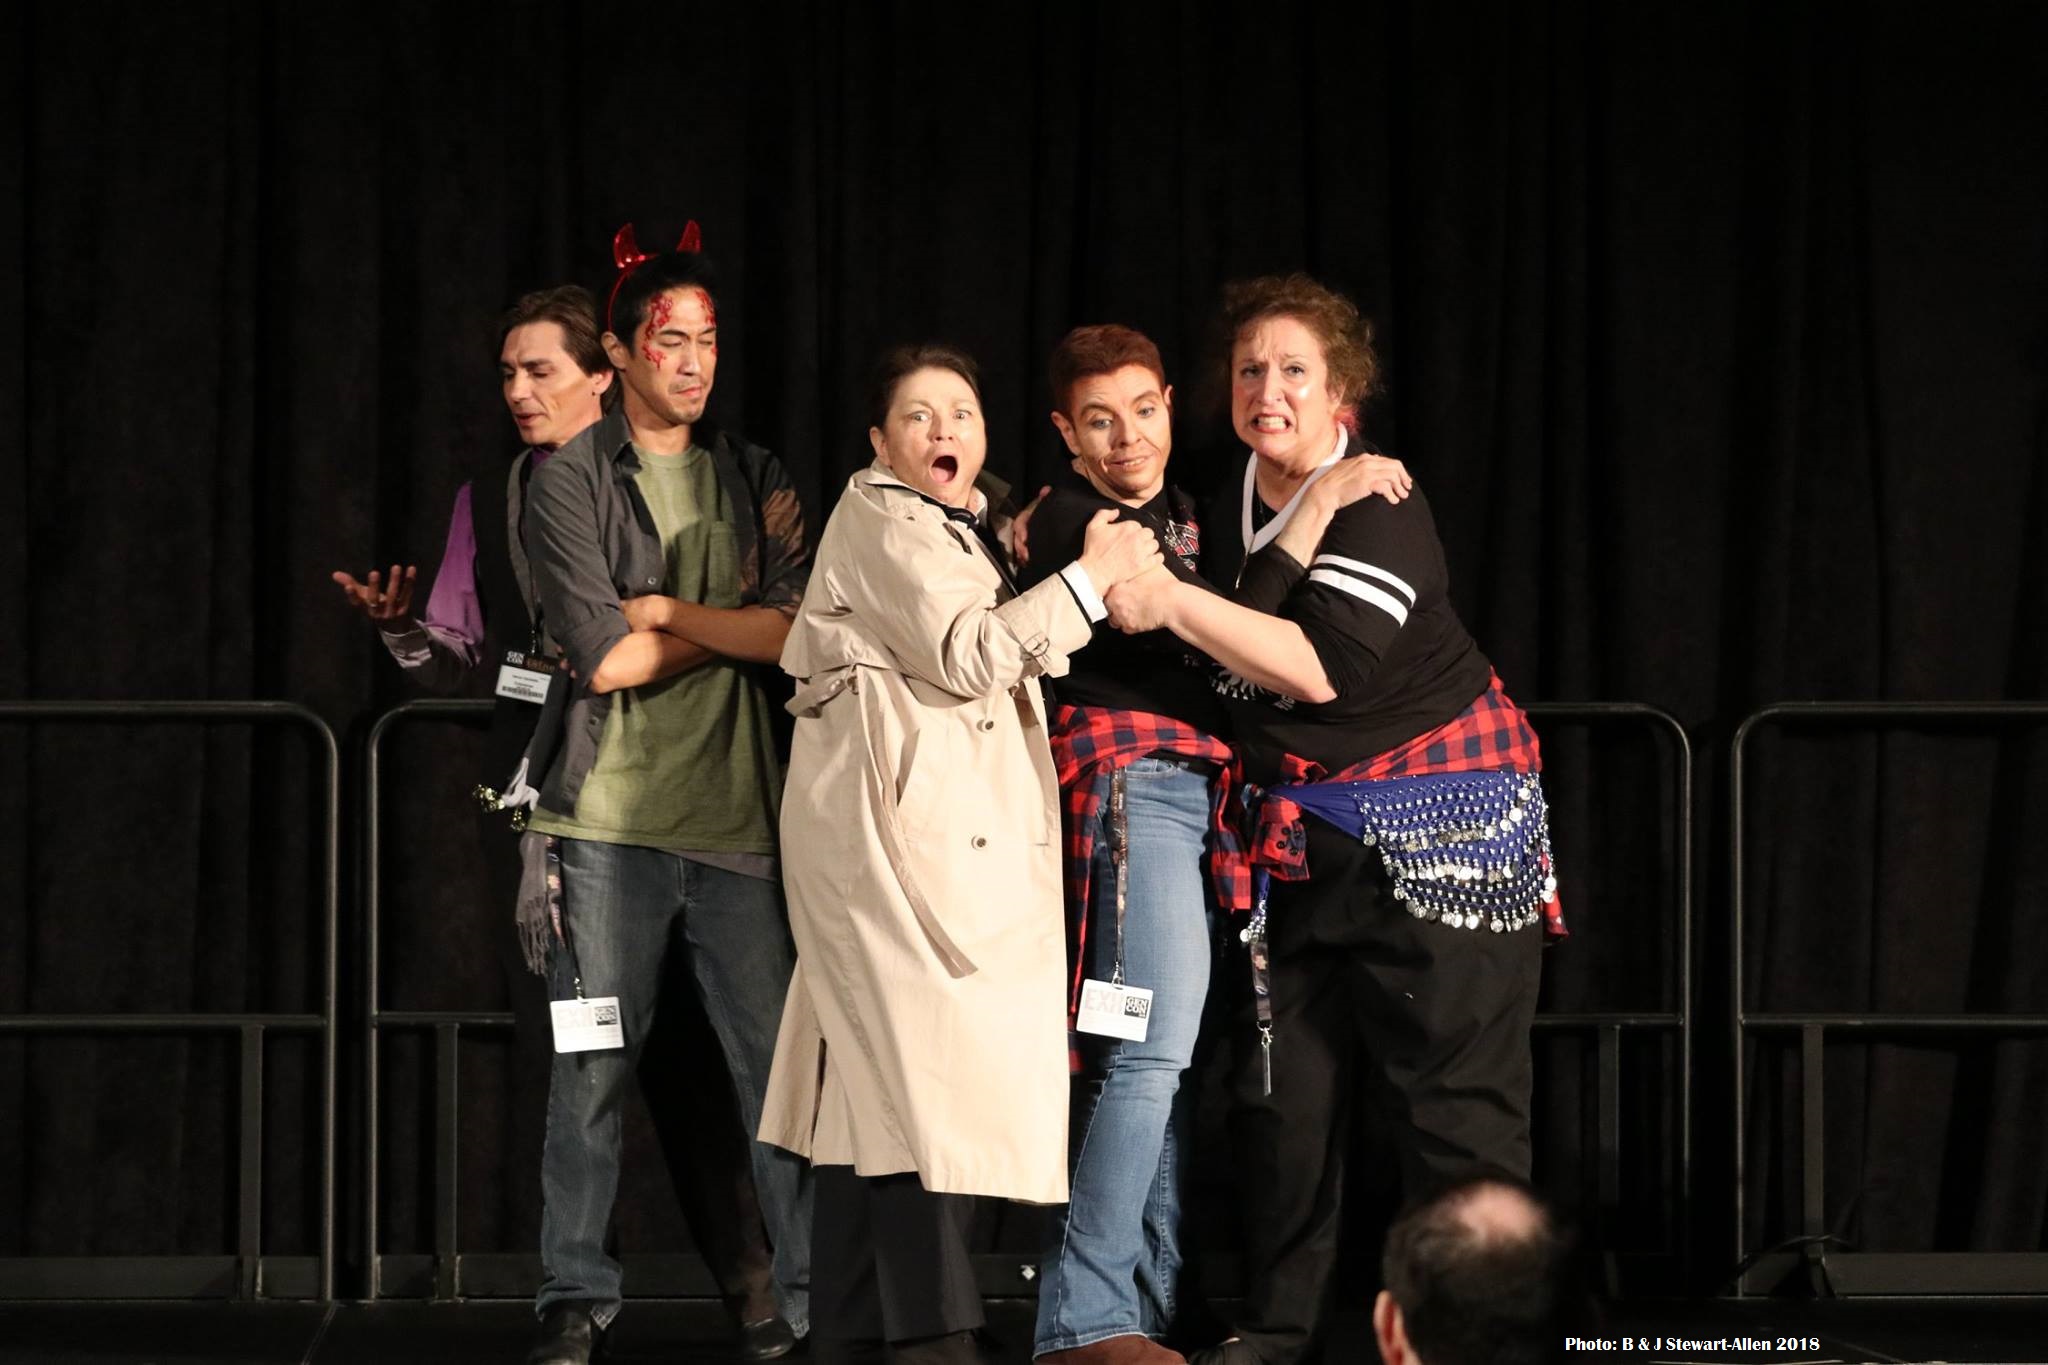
(1716, 332)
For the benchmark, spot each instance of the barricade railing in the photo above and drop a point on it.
(1606, 1028)
(248, 1273)
(446, 1026)
(449, 1272)
(1860, 1272)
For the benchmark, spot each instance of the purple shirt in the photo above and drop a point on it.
(442, 647)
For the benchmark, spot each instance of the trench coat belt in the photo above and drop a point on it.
(810, 699)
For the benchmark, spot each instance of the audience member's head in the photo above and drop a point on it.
(1476, 1274)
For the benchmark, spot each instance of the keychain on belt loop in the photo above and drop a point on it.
(1110, 1008)
(1254, 938)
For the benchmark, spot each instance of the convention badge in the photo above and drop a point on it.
(525, 677)
(1114, 1010)
(587, 1025)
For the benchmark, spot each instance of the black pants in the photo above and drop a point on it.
(689, 1094)
(888, 1261)
(1371, 1006)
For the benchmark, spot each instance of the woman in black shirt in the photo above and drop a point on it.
(1394, 957)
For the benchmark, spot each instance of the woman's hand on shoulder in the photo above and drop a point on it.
(1352, 480)
(1362, 477)
(1116, 551)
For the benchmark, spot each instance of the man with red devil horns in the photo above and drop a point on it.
(668, 557)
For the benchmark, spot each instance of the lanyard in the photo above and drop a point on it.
(1255, 542)
(522, 478)
(1120, 854)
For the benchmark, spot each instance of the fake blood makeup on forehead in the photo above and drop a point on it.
(710, 314)
(659, 309)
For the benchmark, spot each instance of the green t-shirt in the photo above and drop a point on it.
(688, 763)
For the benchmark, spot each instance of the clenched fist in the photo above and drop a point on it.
(1115, 551)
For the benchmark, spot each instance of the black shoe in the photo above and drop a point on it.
(568, 1336)
(768, 1339)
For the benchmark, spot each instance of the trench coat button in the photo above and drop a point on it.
(988, 725)
(980, 841)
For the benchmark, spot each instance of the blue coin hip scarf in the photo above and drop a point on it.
(1467, 850)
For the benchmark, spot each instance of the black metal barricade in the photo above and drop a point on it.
(447, 1025)
(1607, 1028)
(451, 1273)
(448, 1272)
(1863, 1272)
(247, 1274)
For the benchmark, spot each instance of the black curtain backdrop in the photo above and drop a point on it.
(1716, 333)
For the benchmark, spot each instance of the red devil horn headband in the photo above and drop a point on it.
(627, 256)
(626, 251)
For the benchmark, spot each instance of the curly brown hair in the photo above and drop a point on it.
(1346, 336)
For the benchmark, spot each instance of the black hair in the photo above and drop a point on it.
(900, 362)
(1473, 1294)
(656, 275)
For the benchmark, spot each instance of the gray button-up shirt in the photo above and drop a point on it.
(594, 545)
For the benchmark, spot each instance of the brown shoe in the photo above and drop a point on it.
(1130, 1349)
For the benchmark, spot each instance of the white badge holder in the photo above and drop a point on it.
(587, 1025)
(525, 677)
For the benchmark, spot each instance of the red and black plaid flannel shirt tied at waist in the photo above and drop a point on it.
(1089, 745)
(1420, 825)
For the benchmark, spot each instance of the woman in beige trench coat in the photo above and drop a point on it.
(923, 1047)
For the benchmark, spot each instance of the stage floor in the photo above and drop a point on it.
(675, 1332)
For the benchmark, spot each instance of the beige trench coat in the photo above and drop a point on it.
(926, 1024)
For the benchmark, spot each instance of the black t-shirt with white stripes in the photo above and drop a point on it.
(1376, 607)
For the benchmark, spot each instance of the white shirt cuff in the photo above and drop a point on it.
(411, 647)
(1084, 592)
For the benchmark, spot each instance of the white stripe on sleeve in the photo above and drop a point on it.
(1399, 584)
(1363, 591)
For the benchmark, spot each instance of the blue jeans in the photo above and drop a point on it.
(1112, 1269)
(624, 910)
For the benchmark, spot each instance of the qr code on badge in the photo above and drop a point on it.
(1137, 1007)
(602, 1015)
